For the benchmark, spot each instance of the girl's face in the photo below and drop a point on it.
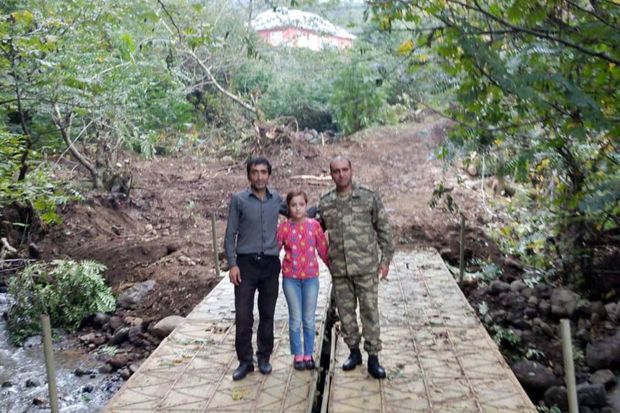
(297, 208)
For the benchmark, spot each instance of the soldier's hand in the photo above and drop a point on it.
(384, 269)
(234, 275)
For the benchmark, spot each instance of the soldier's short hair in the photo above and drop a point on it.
(339, 158)
(258, 160)
(295, 192)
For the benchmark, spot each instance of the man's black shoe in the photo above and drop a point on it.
(355, 359)
(264, 366)
(374, 368)
(244, 368)
(310, 364)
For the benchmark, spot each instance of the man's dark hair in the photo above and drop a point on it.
(259, 160)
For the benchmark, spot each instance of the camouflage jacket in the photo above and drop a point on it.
(359, 232)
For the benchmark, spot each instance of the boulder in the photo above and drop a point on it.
(534, 376)
(498, 286)
(604, 353)
(557, 396)
(605, 377)
(119, 336)
(563, 302)
(165, 326)
(592, 395)
(134, 294)
(517, 285)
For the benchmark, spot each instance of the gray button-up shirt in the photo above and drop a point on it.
(252, 225)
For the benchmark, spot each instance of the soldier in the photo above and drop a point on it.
(360, 250)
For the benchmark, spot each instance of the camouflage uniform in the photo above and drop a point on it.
(359, 241)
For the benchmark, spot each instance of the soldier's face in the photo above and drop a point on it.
(341, 174)
(258, 177)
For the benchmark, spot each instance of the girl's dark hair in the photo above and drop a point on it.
(294, 193)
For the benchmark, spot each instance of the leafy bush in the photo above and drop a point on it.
(37, 192)
(67, 290)
(358, 100)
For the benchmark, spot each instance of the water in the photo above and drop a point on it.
(18, 365)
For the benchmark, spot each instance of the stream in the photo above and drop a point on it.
(23, 378)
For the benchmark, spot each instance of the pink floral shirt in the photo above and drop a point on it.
(300, 241)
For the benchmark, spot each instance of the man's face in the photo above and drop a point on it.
(259, 177)
(341, 173)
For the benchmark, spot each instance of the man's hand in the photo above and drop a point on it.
(235, 275)
(384, 269)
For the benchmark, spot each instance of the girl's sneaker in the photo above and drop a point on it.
(298, 363)
(309, 363)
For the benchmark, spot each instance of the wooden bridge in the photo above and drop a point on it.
(438, 356)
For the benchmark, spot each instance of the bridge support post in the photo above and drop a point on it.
(569, 367)
(49, 362)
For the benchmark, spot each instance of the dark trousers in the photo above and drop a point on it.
(257, 273)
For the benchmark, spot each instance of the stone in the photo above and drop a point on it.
(533, 376)
(100, 319)
(118, 361)
(530, 312)
(557, 395)
(517, 286)
(115, 322)
(599, 308)
(527, 292)
(564, 302)
(605, 377)
(613, 397)
(165, 326)
(125, 373)
(32, 383)
(497, 287)
(542, 290)
(88, 388)
(611, 310)
(6, 384)
(604, 353)
(134, 294)
(105, 369)
(39, 401)
(119, 336)
(135, 335)
(544, 307)
(133, 321)
(592, 395)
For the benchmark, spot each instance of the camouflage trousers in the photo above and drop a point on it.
(348, 292)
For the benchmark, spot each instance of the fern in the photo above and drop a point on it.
(68, 291)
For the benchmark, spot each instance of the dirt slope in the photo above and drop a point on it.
(163, 232)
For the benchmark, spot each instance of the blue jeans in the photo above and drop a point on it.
(301, 297)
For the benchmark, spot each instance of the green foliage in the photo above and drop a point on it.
(358, 98)
(68, 291)
(38, 192)
(489, 271)
(505, 337)
(536, 84)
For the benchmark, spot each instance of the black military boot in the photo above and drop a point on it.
(374, 368)
(355, 358)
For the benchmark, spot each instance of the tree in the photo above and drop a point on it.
(539, 79)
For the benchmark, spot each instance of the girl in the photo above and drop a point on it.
(301, 236)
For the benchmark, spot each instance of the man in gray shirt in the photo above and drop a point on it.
(252, 254)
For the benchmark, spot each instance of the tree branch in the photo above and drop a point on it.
(540, 34)
(64, 126)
